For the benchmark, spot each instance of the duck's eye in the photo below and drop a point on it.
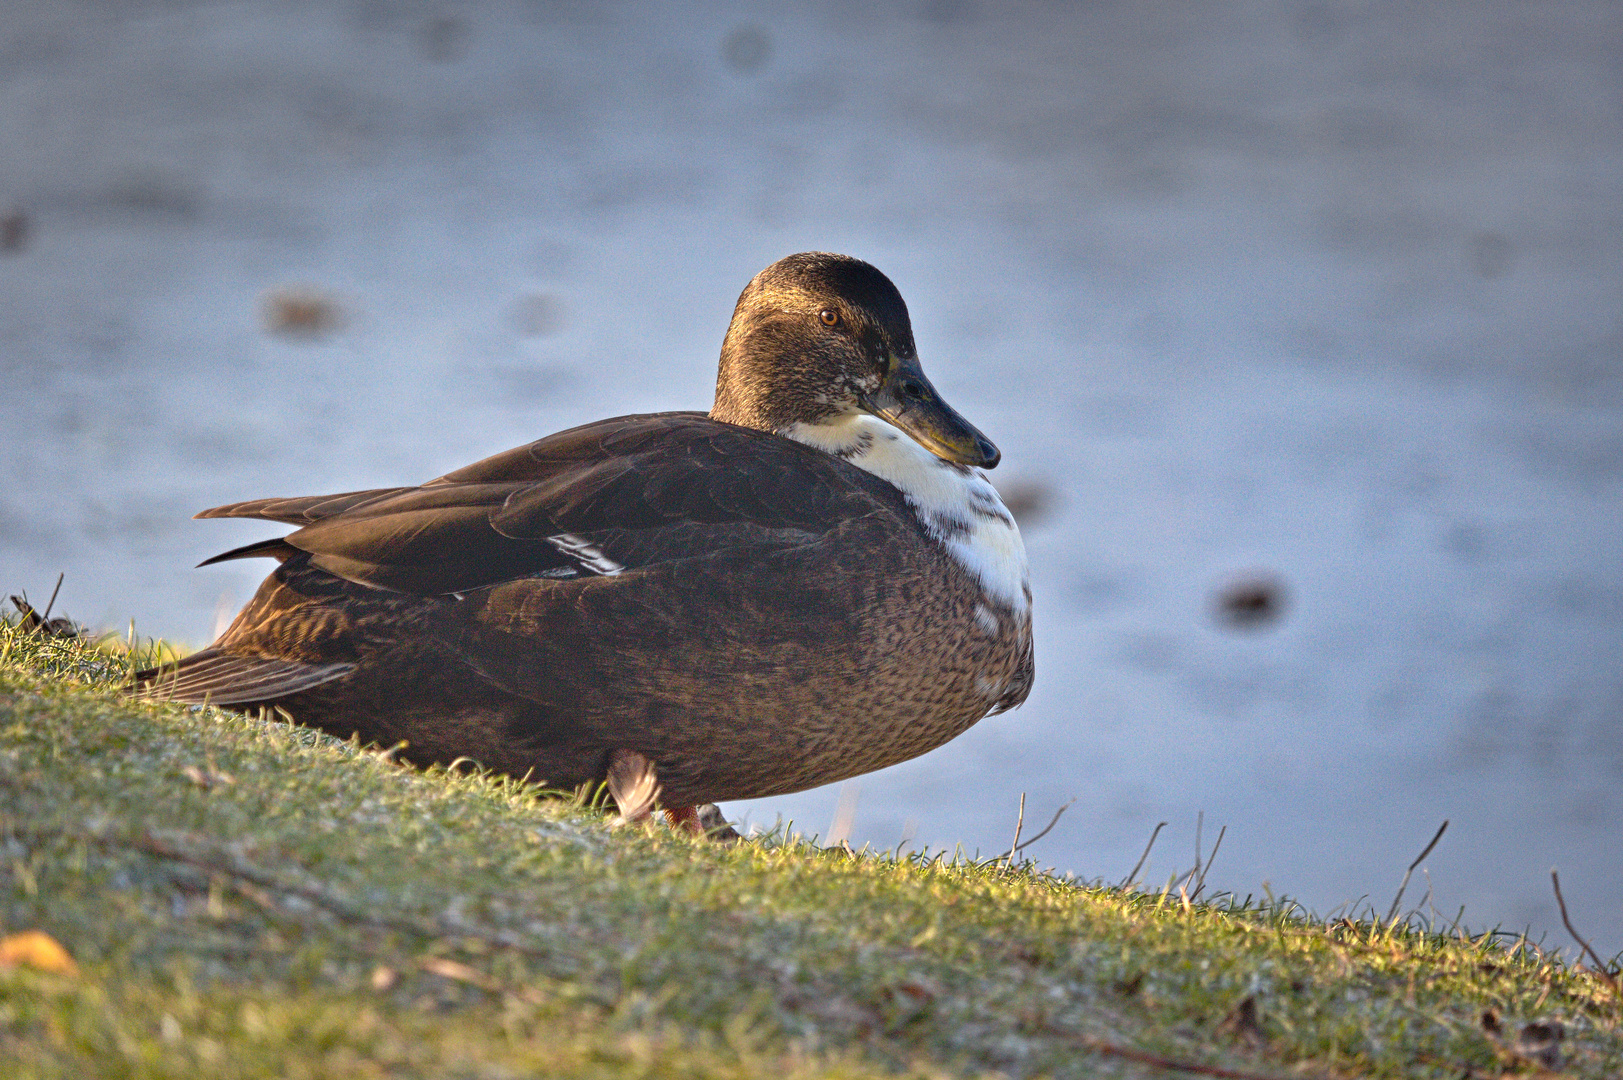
(829, 317)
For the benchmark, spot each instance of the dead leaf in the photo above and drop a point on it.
(1244, 1024)
(459, 972)
(34, 622)
(1129, 986)
(207, 778)
(36, 949)
(451, 969)
(921, 990)
(1541, 1042)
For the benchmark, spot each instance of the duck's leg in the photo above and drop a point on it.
(685, 818)
(705, 821)
(634, 785)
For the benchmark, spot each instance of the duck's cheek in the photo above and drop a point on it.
(865, 387)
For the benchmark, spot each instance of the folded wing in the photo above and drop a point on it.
(603, 499)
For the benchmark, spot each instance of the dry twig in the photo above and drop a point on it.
(1132, 877)
(1145, 1057)
(1200, 882)
(1018, 846)
(1046, 829)
(1600, 967)
(1398, 899)
(1019, 823)
(51, 603)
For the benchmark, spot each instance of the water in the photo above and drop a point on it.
(1324, 299)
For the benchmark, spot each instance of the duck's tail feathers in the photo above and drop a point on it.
(220, 678)
(304, 510)
(278, 549)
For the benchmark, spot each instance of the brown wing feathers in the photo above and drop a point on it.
(605, 498)
(632, 491)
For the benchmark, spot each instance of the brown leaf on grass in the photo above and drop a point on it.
(922, 990)
(1537, 1043)
(1129, 985)
(33, 621)
(36, 949)
(459, 972)
(1540, 1042)
(909, 1001)
(451, 969)
(1244, 1024)
(207, 778)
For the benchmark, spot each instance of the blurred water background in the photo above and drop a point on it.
(1300, 326)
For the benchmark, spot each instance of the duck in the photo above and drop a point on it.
(813, 580)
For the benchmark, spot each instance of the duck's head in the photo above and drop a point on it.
(817, 339)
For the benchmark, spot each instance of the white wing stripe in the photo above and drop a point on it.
(586, 553)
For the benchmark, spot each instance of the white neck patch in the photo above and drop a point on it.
(956, 504)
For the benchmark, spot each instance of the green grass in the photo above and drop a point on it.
(246, 898)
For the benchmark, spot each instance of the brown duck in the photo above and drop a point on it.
(813, 581)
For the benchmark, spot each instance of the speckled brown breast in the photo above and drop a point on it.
(895, 666)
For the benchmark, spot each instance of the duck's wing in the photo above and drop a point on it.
(602, 499)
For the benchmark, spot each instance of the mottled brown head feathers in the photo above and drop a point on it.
(783, 361)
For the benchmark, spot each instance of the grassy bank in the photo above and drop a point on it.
(241, 897)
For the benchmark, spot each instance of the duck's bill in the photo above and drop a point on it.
(907, 400)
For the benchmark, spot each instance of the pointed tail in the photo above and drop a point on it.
(221, 678)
